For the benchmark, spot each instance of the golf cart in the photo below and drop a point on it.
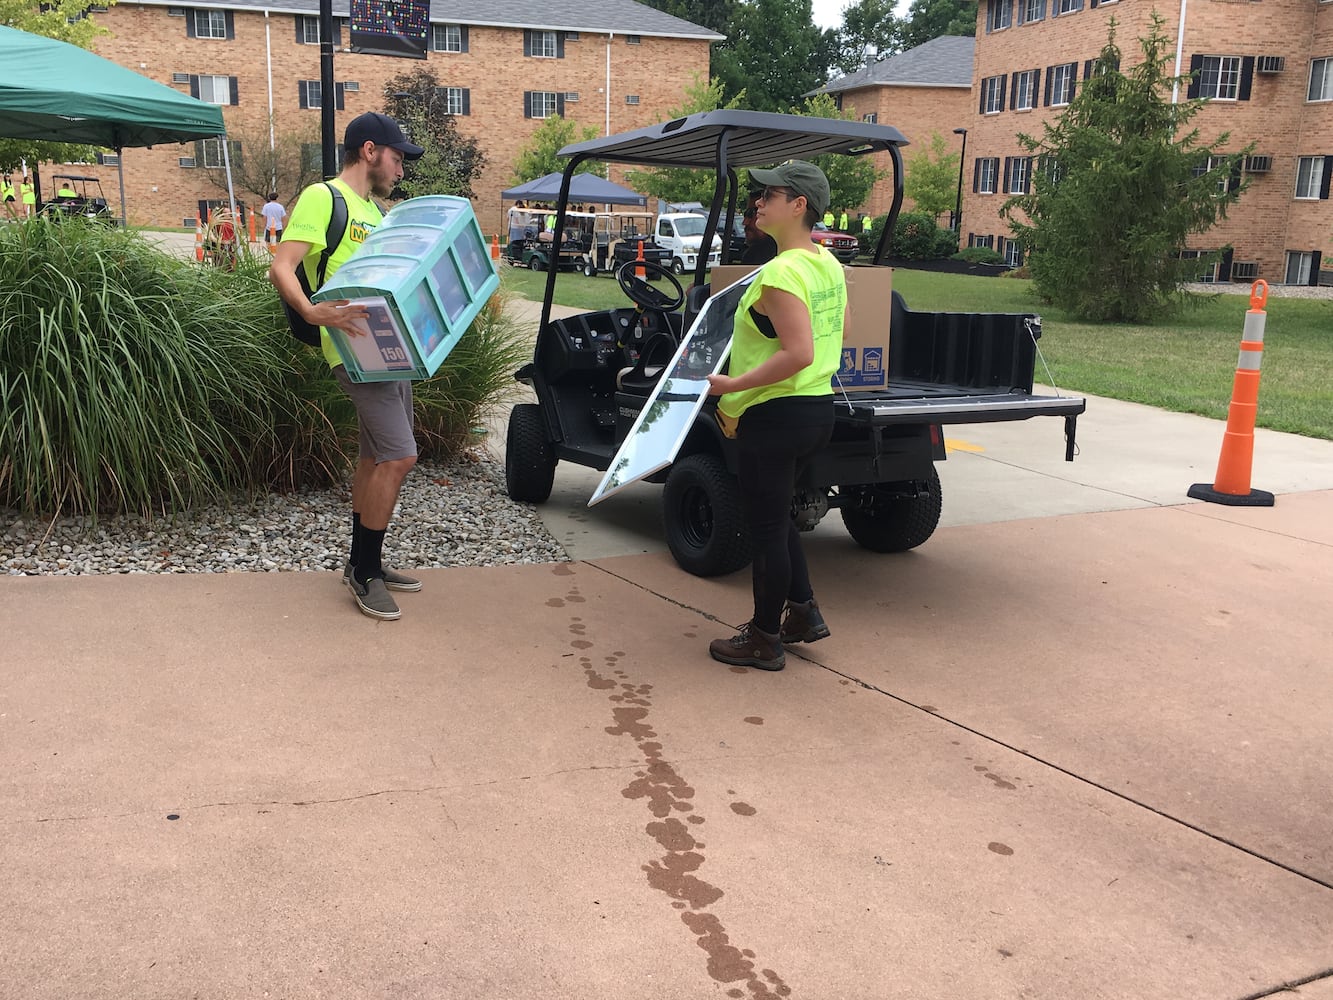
(88, 200)
(593, 372)
(620, 237)
(536, 247)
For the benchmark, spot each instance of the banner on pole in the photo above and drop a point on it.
(390, 27)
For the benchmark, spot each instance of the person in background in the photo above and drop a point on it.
(777, 400)
(66, 191)
(9, 198)
(759, 246)
(374, 149)
(866, 224)
(828, 218)
(275, 216)
(28, 195)
(843, 224)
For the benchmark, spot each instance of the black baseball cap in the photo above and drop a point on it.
(802, 177)
(382, 131)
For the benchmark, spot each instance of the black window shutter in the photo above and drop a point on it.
(990, 13)
(1093, 4)
(1196, 69)
(1003, 81)
(560, 45)
(1036, 85)
(560, 104)
(190, 31)
(337, 31)
(1087, 68)
(1233, 182)
(1027, 177)
(235, 148)
(1224, 265)
(462, 34)
(338, 96)
(231, 24)
(235, 94)
(1050, 78)
(527, 104)
(1246, 78)
(1013, 88)
(467, 101)
(976, 175)
(1008, 172)
(303, 93)
(194, 86)
(1316, 260)
(527, 47)
(1328, 173)
(300, 29)
(981, 106)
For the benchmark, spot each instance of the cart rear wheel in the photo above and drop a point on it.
(892, 517)
(529, 459)
(534, 263)
(705, 524)
(589, 269)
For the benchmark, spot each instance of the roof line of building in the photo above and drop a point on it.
(703, 36)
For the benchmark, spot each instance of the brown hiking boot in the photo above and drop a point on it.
(804, 623)
(750, 648)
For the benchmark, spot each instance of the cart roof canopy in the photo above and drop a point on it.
(582, 188)
(60, 92)
(754, 139)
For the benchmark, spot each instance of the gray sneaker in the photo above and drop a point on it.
(393, 580)
(373, 599)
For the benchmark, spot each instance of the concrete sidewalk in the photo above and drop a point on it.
(1079, 756)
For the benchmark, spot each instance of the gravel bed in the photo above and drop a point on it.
(1274, 291)
(448, 515)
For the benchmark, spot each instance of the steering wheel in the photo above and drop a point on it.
(644, 295)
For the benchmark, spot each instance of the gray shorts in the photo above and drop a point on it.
(384, 416)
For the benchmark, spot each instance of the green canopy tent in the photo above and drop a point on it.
(59, 92)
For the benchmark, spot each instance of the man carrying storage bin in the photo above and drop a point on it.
(374, 150)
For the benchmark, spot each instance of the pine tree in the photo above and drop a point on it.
(1118, 187)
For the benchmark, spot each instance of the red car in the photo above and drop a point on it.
(842, 246)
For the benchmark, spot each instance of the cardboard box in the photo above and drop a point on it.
(865, 341)
(424, 274)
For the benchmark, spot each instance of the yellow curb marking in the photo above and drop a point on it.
(953, 444)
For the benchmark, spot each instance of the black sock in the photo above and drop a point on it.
(372, 548)
(353, 556)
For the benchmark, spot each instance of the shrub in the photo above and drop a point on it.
(915, 236)
(946, 243)
(979, 255)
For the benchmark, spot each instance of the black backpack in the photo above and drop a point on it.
(305, 332)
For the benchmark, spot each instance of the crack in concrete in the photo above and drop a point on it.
(1289, 987)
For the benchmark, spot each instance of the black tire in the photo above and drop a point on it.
(529, 459)
(534, 263)
(881, 520)
(677, 266)
(705, 524)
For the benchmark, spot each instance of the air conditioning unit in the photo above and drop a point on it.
(1258, 164)
(175, 12)
(1244, 269)
(571, 96)
(1270, 64)
(180, 77)
(185, 161)
(352, 87)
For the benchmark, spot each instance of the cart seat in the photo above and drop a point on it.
(640, 377)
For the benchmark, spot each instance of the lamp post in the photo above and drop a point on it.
(958, 203)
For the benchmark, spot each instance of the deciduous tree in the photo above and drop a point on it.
(678, 184)
(452, 161)
(850, 178)
(931, 178)
(1120, 183)
(538, 158)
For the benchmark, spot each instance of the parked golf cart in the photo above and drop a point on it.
(536, 247)
(620, 237)
(593, 372)
(88, 200)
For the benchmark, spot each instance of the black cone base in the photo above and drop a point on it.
(1255, 498)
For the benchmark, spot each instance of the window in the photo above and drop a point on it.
(631, 98)
(1244, 269)
(1013, 253)
(632, 40)
(871, 119)
(1019, 171)
(1219, 78)
(571, 36)
(1000, 15)
(1060, 84)
(985, 174)
(542, 44)
(1321, 80)
(1208, 276)
(210, 153)
(973, 240)
(307, 30)
(210, 24)
(1309, 177)
(448, 37)
(1068, 6)
(1025, 90)
(312, 156)
(992, 95)
(455, 100)
(1300, 265)
(542, 104)
(215, 89)
(1031, 10)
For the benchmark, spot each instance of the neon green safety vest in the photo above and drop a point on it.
(828, 219)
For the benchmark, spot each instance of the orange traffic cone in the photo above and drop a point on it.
(252, 227)
(495, 246)
(1232, 483)
(640, 272)
(198, 238)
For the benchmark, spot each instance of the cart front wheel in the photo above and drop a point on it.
(529, 459)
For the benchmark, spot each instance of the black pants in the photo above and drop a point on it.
(775, 441)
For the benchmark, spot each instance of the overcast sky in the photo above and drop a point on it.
(828, 13)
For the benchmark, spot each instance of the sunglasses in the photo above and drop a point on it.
(770, 193)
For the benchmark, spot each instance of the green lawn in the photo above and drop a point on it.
(1183, 363)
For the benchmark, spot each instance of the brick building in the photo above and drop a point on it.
(614, 64)
(923, 90)
(1267, 69)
